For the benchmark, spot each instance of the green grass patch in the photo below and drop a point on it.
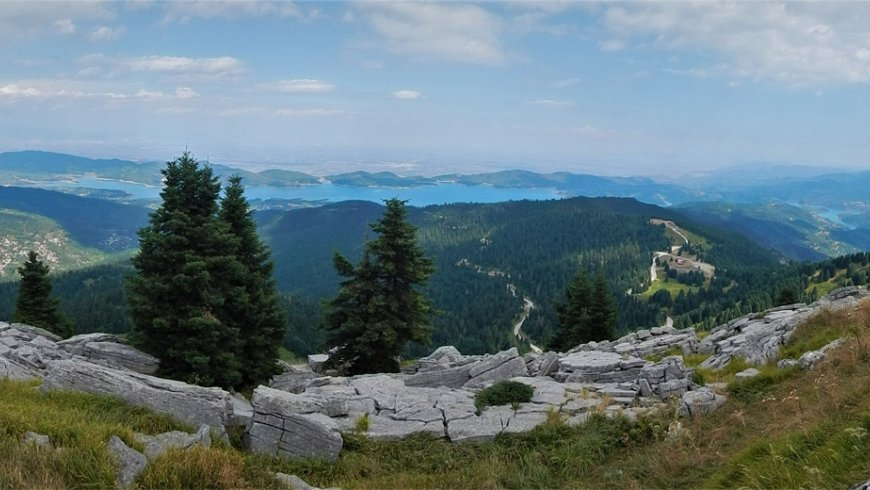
(752, 389)
(504, 393)
(833, 455)
(815, 334)
(672, 286)
(79, 425)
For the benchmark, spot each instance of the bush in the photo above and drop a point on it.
(503, 393)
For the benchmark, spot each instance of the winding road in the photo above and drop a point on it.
(518, 326)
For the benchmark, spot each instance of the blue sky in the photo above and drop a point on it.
(608, 88)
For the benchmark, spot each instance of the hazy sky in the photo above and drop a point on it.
(612, 88)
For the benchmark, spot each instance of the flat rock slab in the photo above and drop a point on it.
(189, 403)
(121, 356)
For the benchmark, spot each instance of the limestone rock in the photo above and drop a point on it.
(317, 361)
(809, 360)
(746, 374)
(155, 446)
(189, 403)
(130, 462)
(504, 365)
(35, 439)
(701, 401)
(293, 482)
(786, 363)
(598, 367)
(292, 381)
(122, 356)
(449, 377)
(278, 430)
(16, 372)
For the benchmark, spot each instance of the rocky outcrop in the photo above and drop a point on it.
(189, 403)
(701, 401)
(589, 366)
(666, 378)
(120, 355)
(285, 425)
(645, 343)
(810, 359)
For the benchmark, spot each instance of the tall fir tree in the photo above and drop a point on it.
(253, 306)
(178, 293)
(379, 307)
(573, 314)
(35, 305)
(588, 313)
(602, 311)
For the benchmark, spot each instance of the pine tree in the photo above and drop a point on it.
(34, 305)
(379, 307)
(178, 293)
(573, 314)
(602, 311)
(253, 306)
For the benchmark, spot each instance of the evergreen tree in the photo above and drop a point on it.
(379, 307)
(34, 305)
(602, 311)
(253, 306)
(588, 313)
(178, 293)
(573, 314)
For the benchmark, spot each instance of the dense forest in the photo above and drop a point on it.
(487, 257)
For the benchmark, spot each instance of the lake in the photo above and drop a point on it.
(416, 196)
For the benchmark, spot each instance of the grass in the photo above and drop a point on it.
(289, 357)
(78, 424)
(672, 286)
(817, 332)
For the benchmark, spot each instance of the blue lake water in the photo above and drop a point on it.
(416, 196)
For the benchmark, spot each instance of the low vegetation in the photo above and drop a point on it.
(503, 393)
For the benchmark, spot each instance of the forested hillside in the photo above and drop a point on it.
(488, 256)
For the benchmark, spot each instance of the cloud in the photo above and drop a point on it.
(179, 65)
(105, 33)
(799, 44)
(306, 112)
(74, 89)
(180, 93)
(450, 32)
(407, 95)
(184, 11)
(556, 104)
(299, 86)
(65, 26)
(30, 19)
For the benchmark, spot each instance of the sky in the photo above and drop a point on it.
(610, 88)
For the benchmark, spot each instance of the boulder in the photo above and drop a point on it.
(16, 372)
(292, 381)
(317, 362)
(450, 377)
(278, 430)
(746, 374)
(598, 367)
(293, 482)
(155, 446)
(130, 462)
(121, 356)
(504, 365)
(701, 401)
(809, 360)
(189, 403)
(39, 440)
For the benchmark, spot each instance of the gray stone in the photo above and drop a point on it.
(278, 429)
(316, 362)
(35, 439)
(155, 446)
(549, 364)
(243, 411)
(444, 355)
(504, 365)
(701, 401)
(188, 403)
(292, 381)
(130, 462)
(293, 482)
(746, 374)
(16, 372)
(547, 391)
(809, 360)
(452, 377)
(389, 429)
(491, 422)
(786, 363)
(121, 356)
(31, 332)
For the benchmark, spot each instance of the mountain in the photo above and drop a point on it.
(489, 256)
(378, 179)
(96, 223)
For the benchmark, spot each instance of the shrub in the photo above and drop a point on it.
(503, 393)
